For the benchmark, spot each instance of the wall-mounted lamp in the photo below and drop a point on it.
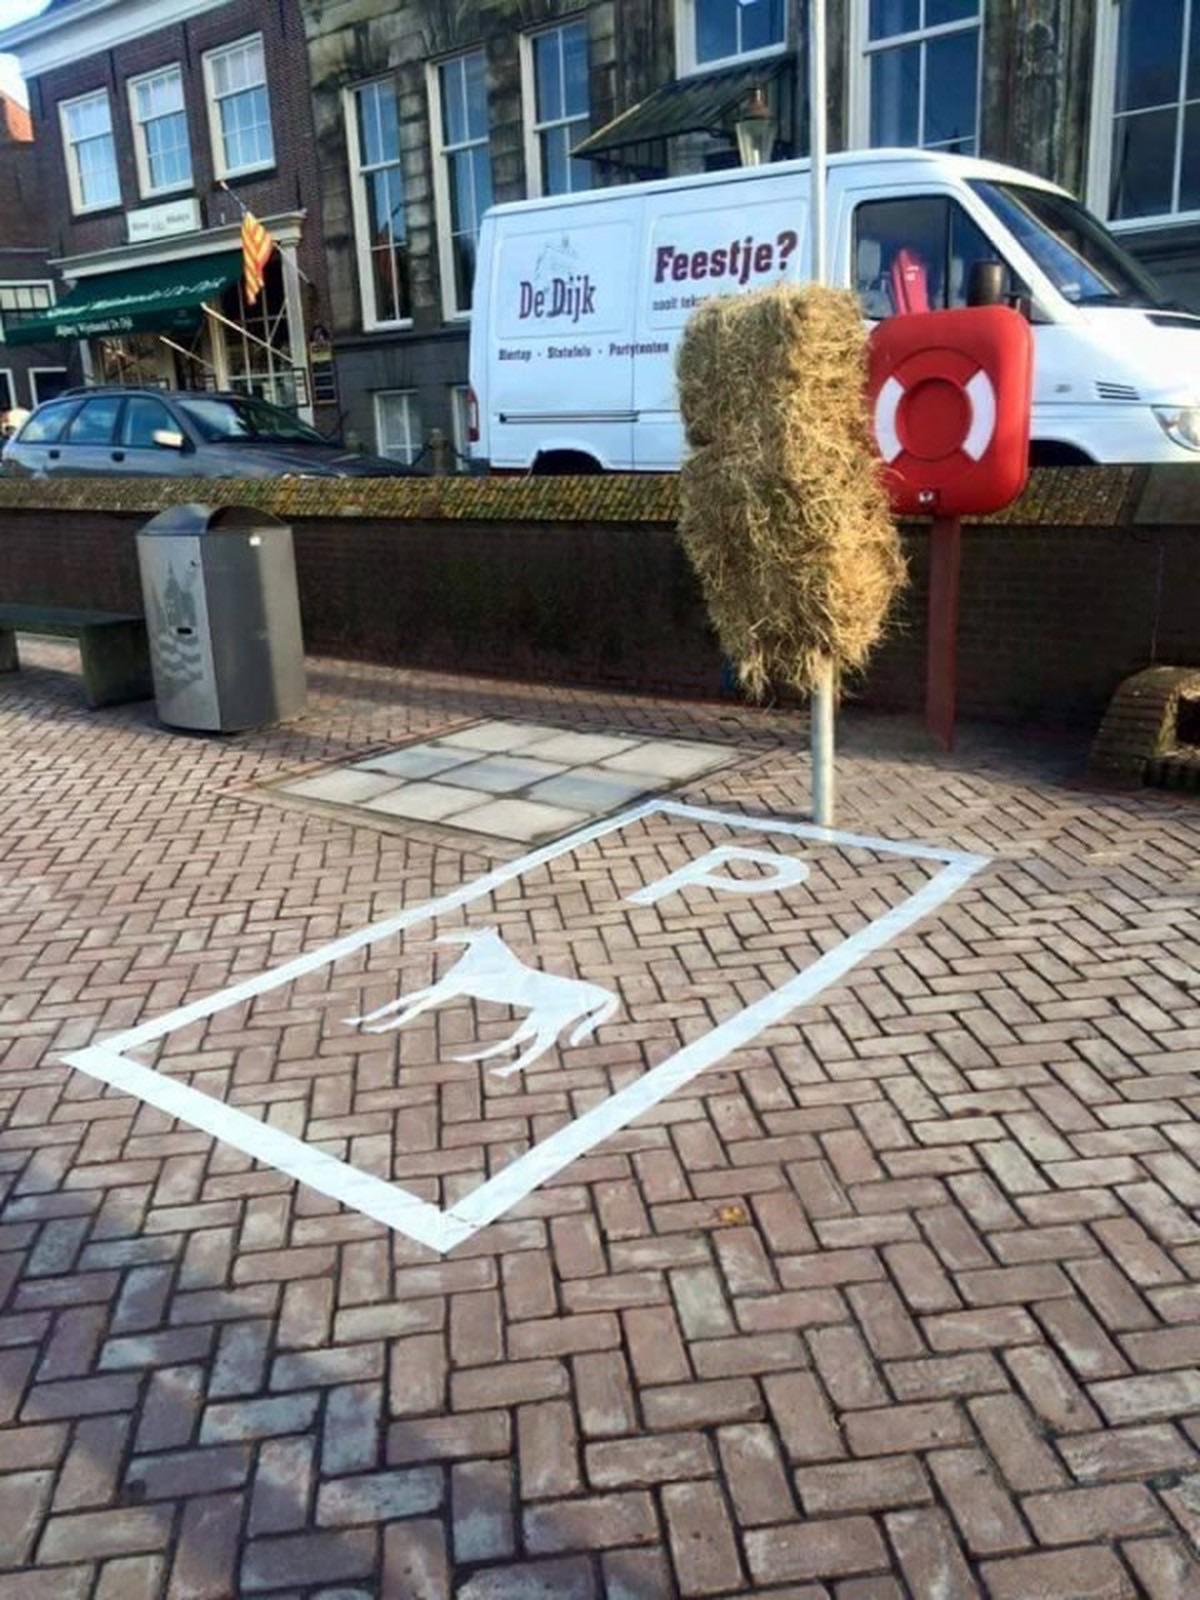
(755, 129)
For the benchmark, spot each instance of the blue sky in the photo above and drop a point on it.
(15, 11)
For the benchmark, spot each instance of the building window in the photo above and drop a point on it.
(47, 383)
(713, 33)
(380, 225)
(557, 63)
(463, 170)
(160, 132)
(137, 359)
(90, 152)
(20, 301)
(258, 347)
(239, 108)
(8, 394)
(1146, 141)
(397, 425)
(917, 77)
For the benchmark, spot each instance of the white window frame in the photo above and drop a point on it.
(862, 47)
(359, 209)
(686, 64)
(27, 283)
(414, 446)
(34, 374)
(535, 176)
(451, 311)
(141, 154)
(6, 378)
(71, 162)
(213, 107)
(1104, 110)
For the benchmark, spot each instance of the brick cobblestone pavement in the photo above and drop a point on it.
(900, 1300)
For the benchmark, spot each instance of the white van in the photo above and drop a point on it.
(580, 299)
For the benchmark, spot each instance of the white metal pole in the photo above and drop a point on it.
(817, 136)
(821, 717)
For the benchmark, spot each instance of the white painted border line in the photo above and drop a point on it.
(310, 960)
(396, 1207)
(325, 954)
(361, 1191)
(810, 830)
(523, 1175)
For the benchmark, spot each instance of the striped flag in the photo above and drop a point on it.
(257, 245)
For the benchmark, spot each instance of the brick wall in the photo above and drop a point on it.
(1086, 580)
(24, 247)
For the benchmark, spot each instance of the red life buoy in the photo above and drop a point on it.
(933, 406)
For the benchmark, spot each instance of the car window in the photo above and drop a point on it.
(916, 254)
(95, 420)
(46, 425)
(143, 419)
(248, 419)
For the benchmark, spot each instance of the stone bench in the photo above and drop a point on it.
(112, 648)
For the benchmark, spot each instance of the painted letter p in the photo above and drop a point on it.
(786, 872)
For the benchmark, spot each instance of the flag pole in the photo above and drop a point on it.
(246, 212)
(821, 716)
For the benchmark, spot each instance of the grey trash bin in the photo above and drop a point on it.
(223, 615)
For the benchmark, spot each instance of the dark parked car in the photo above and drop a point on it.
(158, 433)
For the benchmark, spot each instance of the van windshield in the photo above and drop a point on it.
(1076, 252)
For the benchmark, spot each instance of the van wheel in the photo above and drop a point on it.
(1052, 453)
(565, 463)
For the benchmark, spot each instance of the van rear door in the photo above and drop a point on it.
(560, 360)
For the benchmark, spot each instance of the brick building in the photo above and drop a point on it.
(426, 112)
(29, 373)
(156, 122)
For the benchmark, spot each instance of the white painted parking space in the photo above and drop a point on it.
(588, 938)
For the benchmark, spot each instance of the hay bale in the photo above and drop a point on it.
(784, 515)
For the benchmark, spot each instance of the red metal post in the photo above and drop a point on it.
(941, 661)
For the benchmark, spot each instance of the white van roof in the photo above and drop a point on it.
(937, 161)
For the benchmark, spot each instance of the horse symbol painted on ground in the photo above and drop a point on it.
(490, 971)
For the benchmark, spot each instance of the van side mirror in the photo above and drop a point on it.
(987, 284)
(168, 438)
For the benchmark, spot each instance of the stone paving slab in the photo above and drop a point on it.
(901, 1299)
(543, 779)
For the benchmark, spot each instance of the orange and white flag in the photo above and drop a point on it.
(257, 245)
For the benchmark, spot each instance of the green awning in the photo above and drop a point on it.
(165, 298)
(702, 103)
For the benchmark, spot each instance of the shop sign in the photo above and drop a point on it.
(160, 222)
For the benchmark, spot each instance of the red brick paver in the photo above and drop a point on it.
(902, 1300)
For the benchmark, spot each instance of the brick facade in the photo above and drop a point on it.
(24, 248)
(291, 185)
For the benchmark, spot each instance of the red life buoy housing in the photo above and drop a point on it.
(950, 395)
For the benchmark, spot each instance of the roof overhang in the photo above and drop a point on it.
(700, 103)
(160, 299)
(64, 34)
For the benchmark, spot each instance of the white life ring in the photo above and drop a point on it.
(981, 397)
